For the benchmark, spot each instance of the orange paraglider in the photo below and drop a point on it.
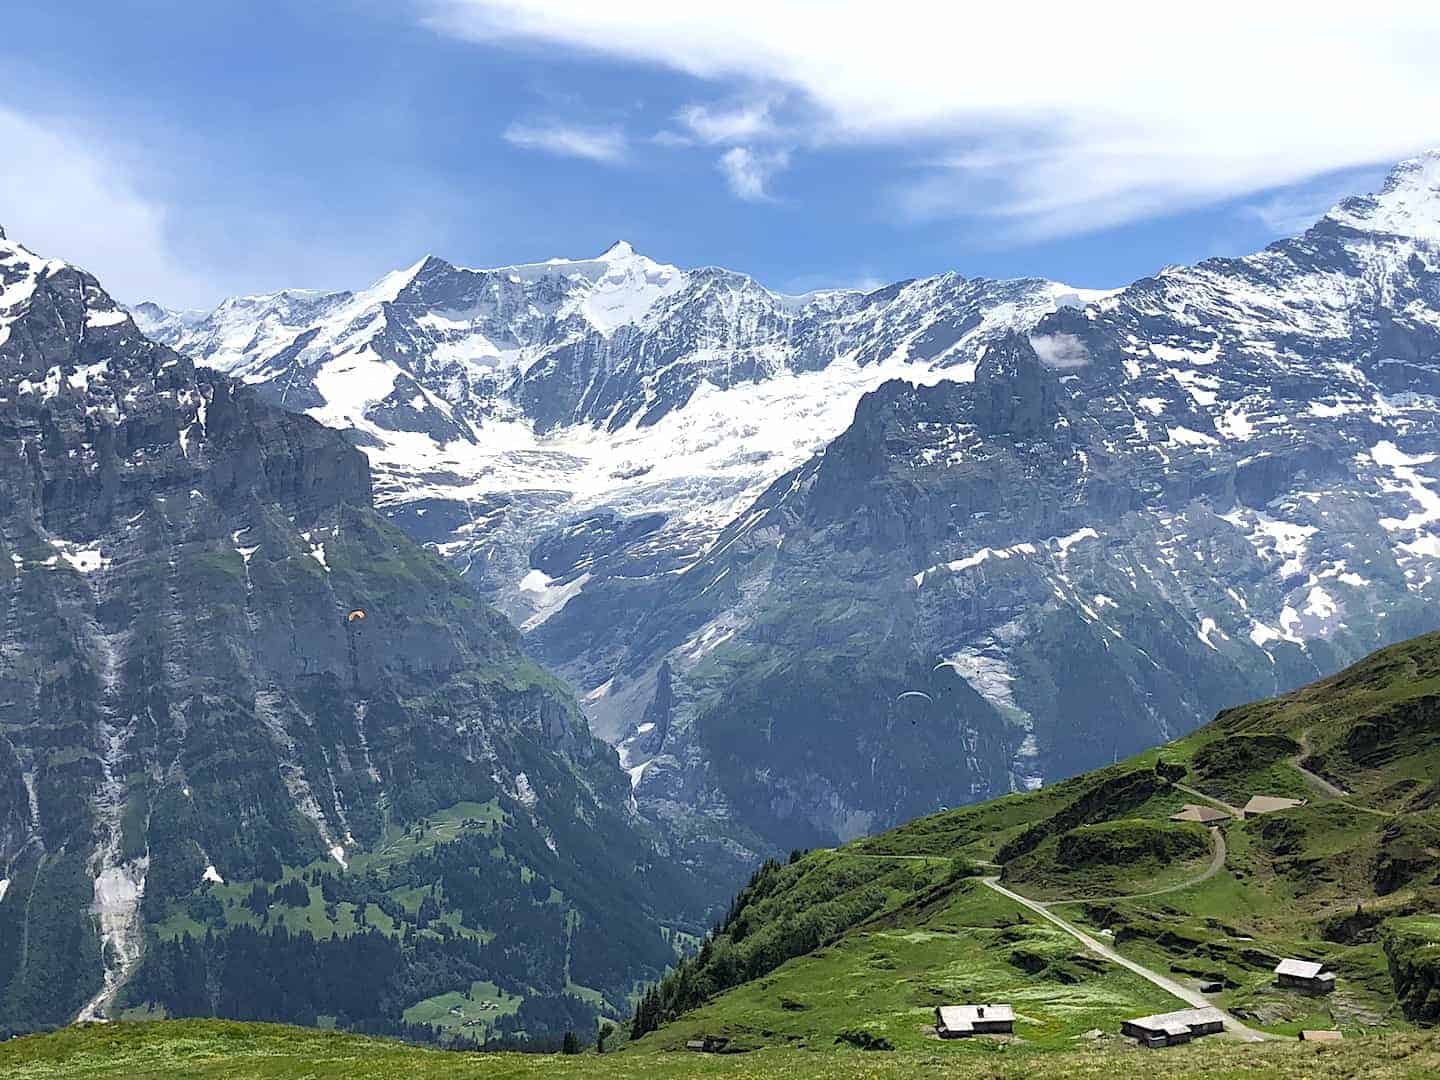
(356, 615)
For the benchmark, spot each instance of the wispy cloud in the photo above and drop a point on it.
(1107, 129)
(607, 145)
(741, 123)
(1285, 213)
(748, 172)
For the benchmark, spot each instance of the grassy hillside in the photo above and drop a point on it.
(222, 1049)
(871, 936)
(1112, 911)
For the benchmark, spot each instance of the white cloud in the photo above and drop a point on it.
(748, 172)
(729, 123)
(607, 145)
(1062, 351)
(1101, 113)
(64, 196)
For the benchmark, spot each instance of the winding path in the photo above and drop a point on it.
(1191, 997)
(1325, 787)
(1315, 780)
(1217, 863)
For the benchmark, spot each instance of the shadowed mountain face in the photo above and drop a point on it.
(221, 672)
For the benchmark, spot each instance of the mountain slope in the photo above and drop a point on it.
(1072, 543)
(875, 934)
(1215, 484)
(260, 755)
(498, 406)
(592, 425)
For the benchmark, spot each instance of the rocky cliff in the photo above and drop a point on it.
(222, 671)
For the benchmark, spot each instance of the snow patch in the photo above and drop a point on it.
(1235, 425)
(1209, 626)
(1153, 405)
(1402, 466)
(525, 792)
(1261, 634)
(1067, 542)
(1426, 544)
(637, 773)
(83, 559)
(1183, 436)
(546, 598)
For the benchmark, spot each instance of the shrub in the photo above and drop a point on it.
(864, 1040)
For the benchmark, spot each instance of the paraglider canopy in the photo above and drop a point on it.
(355, 615)
(915, 693)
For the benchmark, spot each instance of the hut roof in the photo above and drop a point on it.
(1203, 814)
(964, 1017)
(1180, 1021)
(1268, 804)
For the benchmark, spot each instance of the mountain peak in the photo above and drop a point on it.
(620, 249)
(1407, 205)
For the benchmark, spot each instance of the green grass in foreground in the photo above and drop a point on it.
(972, 945)
(229, 1050)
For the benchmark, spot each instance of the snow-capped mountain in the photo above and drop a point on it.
(497, 404)
(755, 531)
(1214, 484)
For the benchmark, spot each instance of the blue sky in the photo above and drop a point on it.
(187, 151)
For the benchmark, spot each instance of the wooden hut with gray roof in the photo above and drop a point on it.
(1305, 976)
(959, 1021)
(1174, 1028)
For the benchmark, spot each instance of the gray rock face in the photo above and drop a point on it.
(504, 404)
(216, 660)
(1211, 486)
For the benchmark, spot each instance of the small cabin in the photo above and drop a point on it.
(1174, 1028)
(1268, 804)
(708, 1044)
(959, 1021)
(1205, 815)
(1304, 975)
